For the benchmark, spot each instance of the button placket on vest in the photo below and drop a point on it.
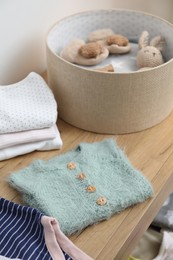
(101, 201)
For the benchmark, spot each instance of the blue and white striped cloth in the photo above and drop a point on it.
(21, 232)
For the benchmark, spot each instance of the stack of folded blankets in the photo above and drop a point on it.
(28, 115)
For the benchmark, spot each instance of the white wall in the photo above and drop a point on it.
(24, 24)
(162, 8)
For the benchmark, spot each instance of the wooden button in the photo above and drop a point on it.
(91, 188)
(101, 201)
(71, 165)
(81, 176)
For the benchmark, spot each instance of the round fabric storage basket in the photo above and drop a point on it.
(112, 103)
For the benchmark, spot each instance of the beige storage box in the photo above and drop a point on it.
(111, 103)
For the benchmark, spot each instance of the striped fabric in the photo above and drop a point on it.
(21, 232)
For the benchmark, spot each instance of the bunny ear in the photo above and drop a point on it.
(158, 42)
(143, 40)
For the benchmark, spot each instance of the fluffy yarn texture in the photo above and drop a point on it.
(56, 190)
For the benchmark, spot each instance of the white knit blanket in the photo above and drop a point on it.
(28, 104)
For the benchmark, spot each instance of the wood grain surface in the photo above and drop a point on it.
(150, 151)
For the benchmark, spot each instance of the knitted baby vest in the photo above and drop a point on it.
(83, 186)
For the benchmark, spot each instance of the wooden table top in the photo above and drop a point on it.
(150, 151)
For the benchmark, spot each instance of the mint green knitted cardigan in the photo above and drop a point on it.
(56, 191)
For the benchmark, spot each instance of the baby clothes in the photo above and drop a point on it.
(12, 139)
(21, 232)
(28, 115)
(27, 234)
(28, 104)
(47, 144)
(83, 186)
(55, 239)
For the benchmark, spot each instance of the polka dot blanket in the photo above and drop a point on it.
(28, 104)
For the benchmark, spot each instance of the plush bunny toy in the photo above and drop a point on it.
(149, 55)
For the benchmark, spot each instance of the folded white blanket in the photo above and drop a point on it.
(30, 136)
(16, 150)
(28, 104)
